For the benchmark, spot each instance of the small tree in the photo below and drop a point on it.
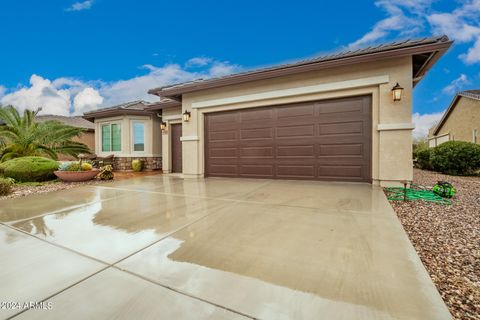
(22, 136)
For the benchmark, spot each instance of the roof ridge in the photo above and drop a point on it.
(474, 94)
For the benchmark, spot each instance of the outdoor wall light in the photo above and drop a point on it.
(397, 92)
(186, 116)
(163, 126)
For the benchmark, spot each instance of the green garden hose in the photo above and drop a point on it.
(414, 193)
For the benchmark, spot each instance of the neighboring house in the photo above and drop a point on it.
(461, 121)
(329, 118)
(87, 137)
(128, 131)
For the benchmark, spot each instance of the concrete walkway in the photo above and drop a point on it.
(159, 247)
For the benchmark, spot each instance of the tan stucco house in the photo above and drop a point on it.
(460, 122)
(128, 131)
(332, 118)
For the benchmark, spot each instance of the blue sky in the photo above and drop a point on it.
(70, 57)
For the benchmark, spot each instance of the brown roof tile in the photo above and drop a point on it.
(428, 46)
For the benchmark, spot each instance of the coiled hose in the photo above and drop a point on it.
(413, 193)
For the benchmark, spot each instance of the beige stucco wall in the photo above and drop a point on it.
(153, 144)
(392, 140)
(464, 118)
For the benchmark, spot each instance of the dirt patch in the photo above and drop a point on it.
(447, 239)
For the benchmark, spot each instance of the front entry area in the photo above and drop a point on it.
(320, 140)
(176, 134)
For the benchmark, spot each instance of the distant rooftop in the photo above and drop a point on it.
(76, 121)
(473, 94)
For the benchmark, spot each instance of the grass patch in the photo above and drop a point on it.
(36, 184)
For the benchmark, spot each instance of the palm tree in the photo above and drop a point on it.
(22, 136)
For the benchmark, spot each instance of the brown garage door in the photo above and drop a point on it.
(320, 140)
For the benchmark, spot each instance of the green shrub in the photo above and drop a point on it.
(29, 169)
(74, 166)
(423, 158)
(5, 186)
(456, 158)
(137, 165)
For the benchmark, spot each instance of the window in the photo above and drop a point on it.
(111, 137)
(138, 136)
(475, 133)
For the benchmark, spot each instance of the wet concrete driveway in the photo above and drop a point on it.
(160, 247)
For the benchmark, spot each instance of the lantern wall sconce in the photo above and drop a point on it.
(186, 116)
(163, 126)
(397, 92)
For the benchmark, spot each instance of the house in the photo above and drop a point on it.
(460, 122)
(128, 131)
(340, 117)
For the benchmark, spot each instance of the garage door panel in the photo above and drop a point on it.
(262, 133)
(295, 151)
(263, 114)
(340, 161)
(257, 152)
(343, 106)
(222, 136)
(223, 169)
(222, 127)
(323, 140)
(296, 131)
(222, 117)
(340, 149)
(293, 113)
(223, 153)
(341, 128)
(299, 171)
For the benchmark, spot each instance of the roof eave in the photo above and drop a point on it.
(446, 114)
(112, 113)
(437, 50)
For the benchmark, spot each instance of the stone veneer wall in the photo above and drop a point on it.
(125, 163)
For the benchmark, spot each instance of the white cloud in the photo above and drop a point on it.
(86, 100)
(41, 93)
(198, 62)
(423, 122)
(412, 17)
(462, 25)
(79, 6)
(137, 87)
(402, 16)
(456, 85)
(65, 96)
(3, 90)
(473, 53)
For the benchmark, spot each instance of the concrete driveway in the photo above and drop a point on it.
(160, 247)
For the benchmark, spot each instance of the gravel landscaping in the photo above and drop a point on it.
(447, 239)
